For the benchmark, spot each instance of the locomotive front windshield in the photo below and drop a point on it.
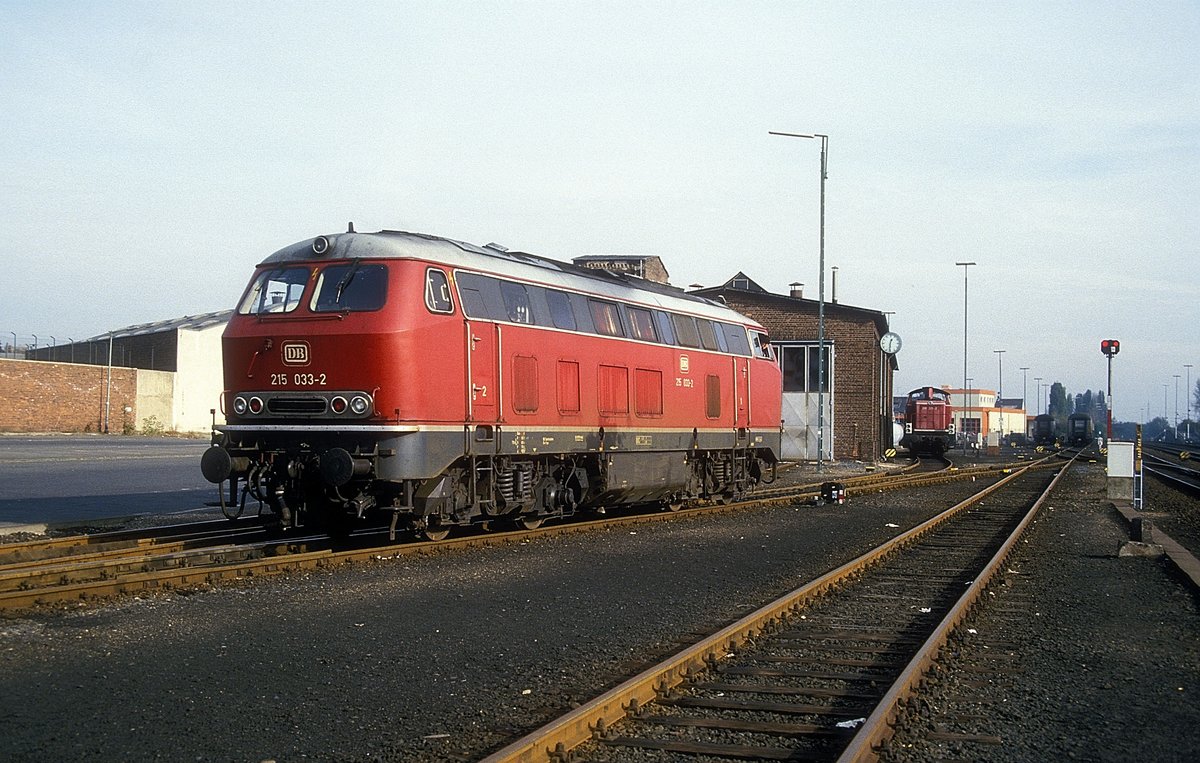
(350, 287)
(929, 393)
(275, 291)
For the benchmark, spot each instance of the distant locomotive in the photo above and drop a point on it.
(1079, 429)
(928, 421)
(1044, 430)
(447, 384)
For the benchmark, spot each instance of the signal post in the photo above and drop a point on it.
(1109, 347)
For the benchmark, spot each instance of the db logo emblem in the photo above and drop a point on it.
(295, 353)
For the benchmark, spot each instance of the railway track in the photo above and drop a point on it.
(106, 565)
(820, 673)
(1177, 466)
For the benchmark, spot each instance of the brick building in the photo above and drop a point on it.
(172, 368)
(858, 374)
(40, 396)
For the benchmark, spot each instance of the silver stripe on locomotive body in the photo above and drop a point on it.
(402, 245)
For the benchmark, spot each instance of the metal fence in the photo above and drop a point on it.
(17, 346)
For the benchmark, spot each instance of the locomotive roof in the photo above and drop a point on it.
(389, 244)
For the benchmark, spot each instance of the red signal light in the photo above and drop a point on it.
(1110, 347)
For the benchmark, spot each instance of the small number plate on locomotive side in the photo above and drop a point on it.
(299, 380)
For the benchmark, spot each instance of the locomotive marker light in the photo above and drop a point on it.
(1109, 347)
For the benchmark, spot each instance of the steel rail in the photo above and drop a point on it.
(552, 740)
(31, 551)
(879, 725)
(109, 574)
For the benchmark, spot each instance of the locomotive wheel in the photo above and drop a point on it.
(529, 521)
(434, 532)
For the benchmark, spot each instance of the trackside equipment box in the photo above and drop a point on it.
(1120, 470)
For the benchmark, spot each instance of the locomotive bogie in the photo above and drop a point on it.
(466, 385)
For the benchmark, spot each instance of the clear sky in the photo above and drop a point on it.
(152, 153)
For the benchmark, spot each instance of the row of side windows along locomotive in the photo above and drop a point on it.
(449, 383)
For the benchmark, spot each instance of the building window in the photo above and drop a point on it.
(800, 371)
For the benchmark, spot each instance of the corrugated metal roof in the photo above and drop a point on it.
(186, 323)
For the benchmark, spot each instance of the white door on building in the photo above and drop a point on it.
(800, 394)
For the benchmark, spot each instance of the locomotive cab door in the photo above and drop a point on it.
(741, 393)
(483, 383)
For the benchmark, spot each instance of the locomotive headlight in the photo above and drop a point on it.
(338, 405)
(239, 405)
(256, 405)
(359, 404)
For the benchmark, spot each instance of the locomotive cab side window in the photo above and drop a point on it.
(516, 302)
(560, 310)
(685, 330)
(437, 292)
(735, 337)
(642, 323)
(708, 336)
(664, 327)
(275, 291)
(606, 317)
(761, 345)
(350, 287)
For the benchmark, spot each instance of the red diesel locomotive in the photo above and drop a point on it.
(928, 421)
(450, 384)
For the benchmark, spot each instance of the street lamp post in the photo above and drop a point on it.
(1024, 408)
(820, 293)
(965, 266)
(1187, 399)
(1038, 379)
(1175, 434)
(1000, 388)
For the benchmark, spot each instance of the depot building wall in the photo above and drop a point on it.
(40, 396)
(862, 384)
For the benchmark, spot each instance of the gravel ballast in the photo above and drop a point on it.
(444, 657)
(1080, 654)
